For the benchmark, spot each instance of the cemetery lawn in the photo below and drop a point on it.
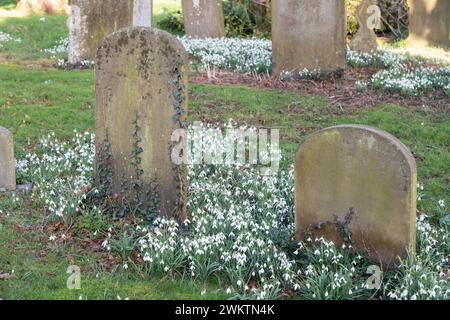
(37, 99)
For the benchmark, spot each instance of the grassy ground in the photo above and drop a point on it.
(36, 99)
(7, 4)
(41, 273)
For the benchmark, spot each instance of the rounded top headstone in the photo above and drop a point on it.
(364, 171)
(141, 99)
(117, 43)
(368, 130)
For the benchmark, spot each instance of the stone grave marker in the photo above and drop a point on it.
(365, 39)
(91, 21)
(7, 163)
(308, 35)
(357, 183)
(142, 13)
(140, 99)
(429, 23)
(203, 18)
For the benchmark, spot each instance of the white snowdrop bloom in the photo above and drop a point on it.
(147, 258)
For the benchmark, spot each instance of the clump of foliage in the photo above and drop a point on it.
(171, 21)
(244, 18)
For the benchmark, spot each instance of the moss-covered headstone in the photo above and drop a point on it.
(91, 21)
(203, 18)
(429, 23)
(7, 163)
(140, 100)
(308, 35)
(357, 184)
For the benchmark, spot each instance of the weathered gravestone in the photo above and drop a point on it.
(365, 39)
(203, 18)
(7, 163)
(429, 23)
(308, 35)
(365, 169)
(140, 99)
(142, 13)
(91, 21)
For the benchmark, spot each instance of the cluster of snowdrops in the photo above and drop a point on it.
(240, 229)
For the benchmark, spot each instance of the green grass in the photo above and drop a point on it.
(36, 99)
(159, 6)
(41, 273)
(66, 98)
(34, 34)
(7, 4)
